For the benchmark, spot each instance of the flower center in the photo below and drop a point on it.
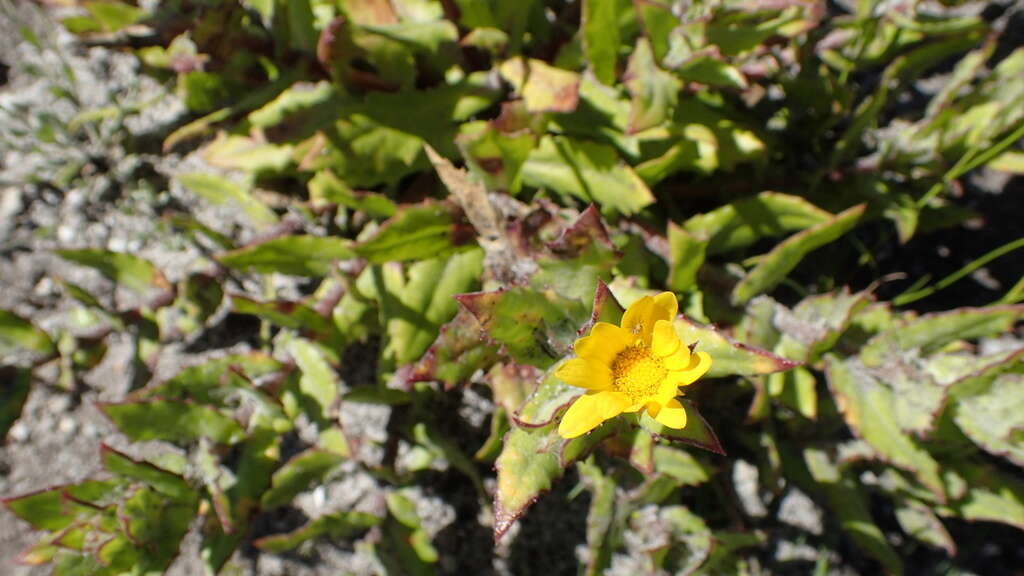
(637, 373)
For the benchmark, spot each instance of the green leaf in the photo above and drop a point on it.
(581, 259)
(704, 140)
(757, 326)
(600, 518)
(343, 526)
(157, 526)
(512, 384)
(1010, 161)
(602, 116)
(775, 265)
(378, 395)
(119, 553)
(163, 481)
(724, 557)
(45, 510)
(689, 538)
(415, 307)
(961, 369)
(415, 233)
(242, 153)
(203, 125)
(206, 383)
(15, 384)
(292, 104)
(491, 447)
(797, 389)
(217, 480)
(80, 25)
(203, 91)
(318, 382)
(172, 421)
(654, 91)
(81, 295)
(547, 399)
(658, 22)
(44, 551)
(680, 465)
(728, 357)
(302, 32)
(199, 297)
(405, 546)
(535, 328)
(852, 509)
(490, 40)
(297, 255)
(298, 475)
(379, 139)
(816, 323)
(991, 495)
(326, 187)
(686, 256)
(219, 191)
(456, 354)
(125, 269)
(293, 315)
(114, 16)
(494, 155)
(589, 171)
(641, 452)
(994, 419)
(933, 331)
(713, 72)
(919, 522)
(697, 432)
(599, 27)
(530, 461)
(744, 222)
(55, 509)
(425, 37)
(258, 456)
(917, 399)
(869, 409)
(544, 88)
(333, 440)
(265, 8)
(194, 229)
(364, 153)
(16, 333)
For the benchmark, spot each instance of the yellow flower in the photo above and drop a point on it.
(639, 365)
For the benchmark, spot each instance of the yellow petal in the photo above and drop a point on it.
(700, 363)
(604, 343)
(636, 407)
(637, 316)
(611, 403)
(678, 360)
(589, 410)
(667, 304)
(667, 391)
(580, 418)
(664, 342)
(585, 373)
(642, 315)
(672, 414)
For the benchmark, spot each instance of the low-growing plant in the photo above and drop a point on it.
(492, 198)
